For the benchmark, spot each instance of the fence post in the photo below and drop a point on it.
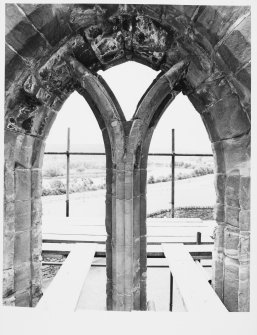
(68, 175)
(172, 173)
(171, 292)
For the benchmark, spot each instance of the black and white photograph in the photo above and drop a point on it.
(127, 158)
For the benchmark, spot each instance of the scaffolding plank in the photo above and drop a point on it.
(196, 292)
(64, 291)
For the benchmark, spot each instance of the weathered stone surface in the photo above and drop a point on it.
(218, 20)
(38, 153)
(244, 192)
(220, 185)
(231, 284)
(9, 194)
(232, 189)
(22, 36)
(219, 237)
(36, 212)
(36, 244)
(22, 215)
(22, 184)
(22, 279)
(23, 151)
(237, 154)
(23, 299)
(9, 217)
(36, 183)
(22, 248)
(8, 254)
(236, 49)
(244, 288)
(218, 156)
(244, 246)
(9, 301)
(244, 220)
(232, 215)
(49, 20)
(231, 242)
(228, 117)
(219, 212)
(8, 282)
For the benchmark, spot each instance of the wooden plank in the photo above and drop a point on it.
(80, 221)
(151, 231)
(64, 291)
(57, 238)
(196, 292)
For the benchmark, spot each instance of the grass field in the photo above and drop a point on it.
(87, 173)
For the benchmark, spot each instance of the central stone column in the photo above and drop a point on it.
(126, 228)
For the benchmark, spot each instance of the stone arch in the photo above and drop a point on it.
(213, 40)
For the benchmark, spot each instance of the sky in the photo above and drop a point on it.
(129, 81)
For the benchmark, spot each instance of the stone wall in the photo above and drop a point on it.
(52, 50)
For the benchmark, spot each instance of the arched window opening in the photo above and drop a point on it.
(194, 192)
(87, 186)
(129, 81)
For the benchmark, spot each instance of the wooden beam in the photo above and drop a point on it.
(197, 294)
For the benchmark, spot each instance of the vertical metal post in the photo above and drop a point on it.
(198, 238)
(172, 173)
(68, 175)
(171, 292)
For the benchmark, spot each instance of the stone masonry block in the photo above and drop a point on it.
(231, 242)
(108, 214)
(129, 185)
(120, 185)
(236, 49)
(231, 283)
(232, 215)
(136, 182)
(244, 246)
(229, 118)
(22, 277)
(232, 189)
(8, 282)
(136, 217)
(21, 35)
(218, 156)
(244, 288)
(22, 215)
(36, 276)
(23, 298)
(244, 220)
(9, 193)
(38, 153)
(36, 212)
(10, 138)
(36, 244)
(9, 301)
(218, 274)
(236, 154)
(36, 183)
(23, 184)
(118, 228)
(8, 251)
(22, 248)
(244, 192)
(219, 212)
(219, 183)
(109, 180)
(23, 150)
(9, 217)
(219, 237)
